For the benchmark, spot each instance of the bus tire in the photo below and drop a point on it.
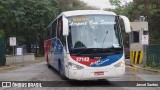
(49, 66)
(61, 72)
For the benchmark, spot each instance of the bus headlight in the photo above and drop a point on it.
(74, 66)
(120, 64)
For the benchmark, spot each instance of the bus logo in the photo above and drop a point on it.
(6, 84)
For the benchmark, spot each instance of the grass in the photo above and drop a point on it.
(153, 65)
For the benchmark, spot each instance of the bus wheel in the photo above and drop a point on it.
(49, 66)
(61, 72)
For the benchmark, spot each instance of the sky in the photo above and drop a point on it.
(101, 3)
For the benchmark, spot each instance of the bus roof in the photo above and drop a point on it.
(85, 12)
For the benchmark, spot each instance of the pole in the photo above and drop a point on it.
(12, 41)
(13, 57)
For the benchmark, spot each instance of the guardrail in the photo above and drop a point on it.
(153, 56)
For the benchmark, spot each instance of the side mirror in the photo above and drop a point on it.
(65, 26)
(126, 23)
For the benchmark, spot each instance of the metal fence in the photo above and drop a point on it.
(2, 52)
(153, 56)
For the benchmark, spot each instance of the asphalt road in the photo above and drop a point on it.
(40, 72)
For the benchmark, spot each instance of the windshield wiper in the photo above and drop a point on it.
(104, 38)
(114, 50)
(84, 49)
(97, 50)
(106, 50)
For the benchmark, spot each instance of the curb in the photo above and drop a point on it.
(7, 67)
(138, 67)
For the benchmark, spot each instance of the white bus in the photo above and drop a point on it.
(86, 44)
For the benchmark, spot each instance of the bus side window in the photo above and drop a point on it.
(47, 33)
(54, 27)
(60, 31)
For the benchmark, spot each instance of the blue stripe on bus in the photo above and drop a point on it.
(57, 46)
(107, 61)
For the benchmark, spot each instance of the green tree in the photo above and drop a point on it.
(148, 8)
(1, 34)
(66, 5)
(27, 19)
(115, 2)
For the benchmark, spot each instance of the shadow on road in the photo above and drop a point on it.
(91, 83)
(53, 69)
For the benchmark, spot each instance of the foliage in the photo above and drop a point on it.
(27, 19)
(66, 5)
(115, 2)
(153, 64)
(148, 8)
(1, 34)
(151, 10)
(156, 41)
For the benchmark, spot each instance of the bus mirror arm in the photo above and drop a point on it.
(126, 23)
(65, 26)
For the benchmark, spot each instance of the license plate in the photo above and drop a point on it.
(98, 73)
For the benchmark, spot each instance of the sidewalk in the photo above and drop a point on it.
(22, 64)
(141, 66)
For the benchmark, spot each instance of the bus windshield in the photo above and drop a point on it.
(94, 31)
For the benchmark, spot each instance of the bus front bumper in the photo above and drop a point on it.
(97, 73)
